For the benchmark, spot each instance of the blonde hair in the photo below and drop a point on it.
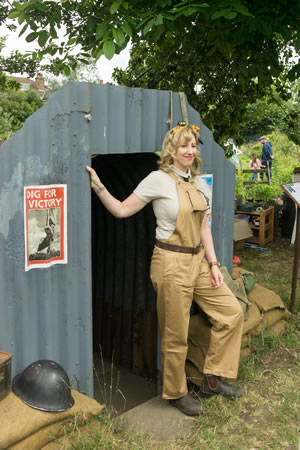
(170, 145)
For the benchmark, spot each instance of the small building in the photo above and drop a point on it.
(100, 301)
(38, 85)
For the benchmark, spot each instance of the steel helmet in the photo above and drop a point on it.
(44, 385)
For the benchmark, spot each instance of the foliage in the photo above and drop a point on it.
(273, 113)
(82, 72)
(286, 158)
(15, 107)
(212, 85)
(225, 26)
(223, 54)
(16, 62)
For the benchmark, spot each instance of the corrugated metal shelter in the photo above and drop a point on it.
(103, 296)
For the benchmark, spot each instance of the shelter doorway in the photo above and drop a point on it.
(124, 302)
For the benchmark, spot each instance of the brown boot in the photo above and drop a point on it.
(213, 385)
(188, 405)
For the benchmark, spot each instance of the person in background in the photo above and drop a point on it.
(266, 156)
(184, 267)
(254, 164)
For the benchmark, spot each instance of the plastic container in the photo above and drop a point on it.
(5, 373)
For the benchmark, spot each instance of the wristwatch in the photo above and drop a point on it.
(214, 263)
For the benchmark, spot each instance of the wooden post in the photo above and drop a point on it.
(296, 262)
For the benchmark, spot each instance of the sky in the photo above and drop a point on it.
(106, 67)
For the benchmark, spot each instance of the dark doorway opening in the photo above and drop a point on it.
(124, 303)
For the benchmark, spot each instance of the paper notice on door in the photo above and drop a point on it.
(45, 223)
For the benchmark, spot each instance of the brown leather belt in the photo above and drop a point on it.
(179, 248)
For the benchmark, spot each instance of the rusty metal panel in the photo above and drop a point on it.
(47, 313)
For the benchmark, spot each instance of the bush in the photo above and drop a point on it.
(286, 158)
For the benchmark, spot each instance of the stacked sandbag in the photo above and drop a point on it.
(24, 428)
(264, 312)
(267, 311)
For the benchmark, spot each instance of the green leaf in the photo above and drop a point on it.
(109, 48)
(32, 36)
(119, 36)
(23, 29)
(53, 33)
(297, 45)
(18, 6)
(218, 14)
(71, 41)
(101, 29)
(159, 19)
(14, 14)
(190, 11)
(43, 37)
(97, 52)
(127, 29)
(158, 32)
(230, 15)
(114, 7)
(21, 18)
(67, 70)
(242, 9)
(149, 26)
(41, 6)
(53, 51)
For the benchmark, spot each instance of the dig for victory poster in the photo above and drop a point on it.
(45, 219)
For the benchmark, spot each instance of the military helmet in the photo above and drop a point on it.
(44, 385)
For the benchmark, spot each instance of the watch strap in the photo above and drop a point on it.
(214, 263)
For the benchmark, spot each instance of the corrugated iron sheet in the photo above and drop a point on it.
(47, 313)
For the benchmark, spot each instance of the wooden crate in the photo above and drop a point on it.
(264, 232)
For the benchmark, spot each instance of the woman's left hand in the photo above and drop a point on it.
(216, 276)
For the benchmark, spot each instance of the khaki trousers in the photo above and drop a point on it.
(179, 278)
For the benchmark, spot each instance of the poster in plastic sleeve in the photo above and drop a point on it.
(293, 191)
(45, 219)
(207, 189)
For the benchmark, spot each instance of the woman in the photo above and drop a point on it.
(254, 164)
(184, 267)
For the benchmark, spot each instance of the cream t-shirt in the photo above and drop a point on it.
(160, 189)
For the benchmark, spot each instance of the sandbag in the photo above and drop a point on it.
(245, 352)
(265, 299)
(23, 427)
(278, 327)
(273, 316)
(253, 321)
(76, 436)
(246, 340)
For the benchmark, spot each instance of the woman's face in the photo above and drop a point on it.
(185, 154)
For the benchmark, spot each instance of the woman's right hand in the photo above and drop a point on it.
(95, 180)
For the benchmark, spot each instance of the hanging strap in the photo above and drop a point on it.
(170, 120)
(184, 112)
(183, 105)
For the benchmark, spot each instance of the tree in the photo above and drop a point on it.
(15, 107)
(212, 86)
(243, 46)
(225, 26)
(271, 113)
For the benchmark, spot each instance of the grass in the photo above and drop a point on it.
(268, 416)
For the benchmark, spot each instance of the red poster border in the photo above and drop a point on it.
(62, 258)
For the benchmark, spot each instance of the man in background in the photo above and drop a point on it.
(266, 156)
